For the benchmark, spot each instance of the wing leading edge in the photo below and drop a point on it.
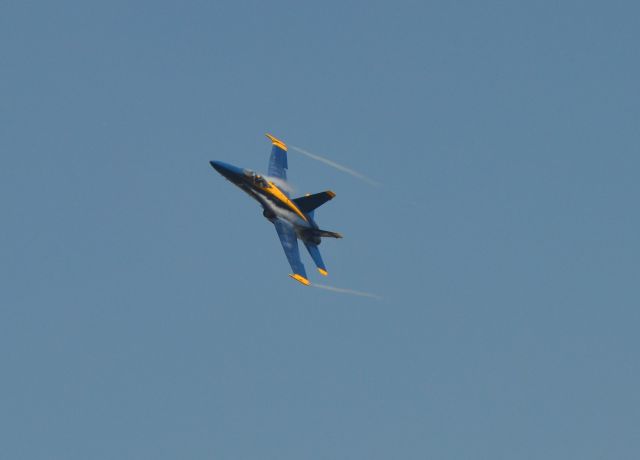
(289, 242)
(278, 159)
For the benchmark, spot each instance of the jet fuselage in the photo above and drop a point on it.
(274, 201)
(293, 218)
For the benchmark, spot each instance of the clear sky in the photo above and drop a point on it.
(145, 307)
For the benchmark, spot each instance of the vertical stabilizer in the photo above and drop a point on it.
(314, 252)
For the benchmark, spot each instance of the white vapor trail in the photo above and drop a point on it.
(282, 185)
(347, 291)
(333, 164)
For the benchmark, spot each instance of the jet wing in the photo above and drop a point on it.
(289, 242)
(278, 160)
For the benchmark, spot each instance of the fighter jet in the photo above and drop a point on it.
(292, 218)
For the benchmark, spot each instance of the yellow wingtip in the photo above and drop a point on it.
(331, 193)
(323, 272)
(301, 279)
(277, 142)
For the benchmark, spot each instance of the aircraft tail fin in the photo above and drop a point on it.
(314, 252)
(308, 203)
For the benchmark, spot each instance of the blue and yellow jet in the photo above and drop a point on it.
(293, 218)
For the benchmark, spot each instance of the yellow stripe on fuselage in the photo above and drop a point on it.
(275, 192)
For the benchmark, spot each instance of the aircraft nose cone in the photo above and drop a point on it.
(233, 173)
(223, 168)
(218, 166)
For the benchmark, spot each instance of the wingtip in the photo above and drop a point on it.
(277, 142)
(331, 193)
(323, 272)
(301, 279)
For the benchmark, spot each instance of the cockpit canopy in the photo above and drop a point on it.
(257, 179)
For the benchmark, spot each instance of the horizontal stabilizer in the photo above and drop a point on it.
(326, 233)
(308, 203)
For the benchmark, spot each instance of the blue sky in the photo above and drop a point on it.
(146, 310)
